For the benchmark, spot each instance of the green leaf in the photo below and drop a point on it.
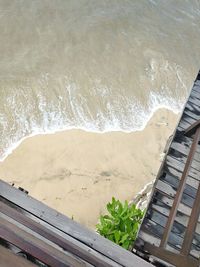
(117, 236)
(121, 224)
(124, 238)
(126, 244)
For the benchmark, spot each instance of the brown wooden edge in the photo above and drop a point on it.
(180, 190)
(36, 247)
(9, 259)
(64, 241)
(176, 259)
(70, 227)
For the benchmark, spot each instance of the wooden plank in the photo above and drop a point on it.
(180, 129)
(186, 122)
(171, 192)
(177, 228)
(9, 259)
(183, 158)
(157, 230)
(194, 101)
(195, 253)
(174, 182)
(171, 256)
(193, 108)
(184, 125)
(148, 237)
(195, 94)
(188, 119)
(182, 208)
(188, 239)
(165, 188)
(63, 223)
(174, 240)
(196, 85)
(180, 218)
(39, 249)
(61, 239)
(184, 150)
(194, 115)
(163, 204)
(179, 166)
(196, 90)
(173, 172)
(186, 141)
(197, 81)
(193, 128)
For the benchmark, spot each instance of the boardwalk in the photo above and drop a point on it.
(171, 228)
(48, 238)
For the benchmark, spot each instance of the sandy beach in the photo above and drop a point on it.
(78, 172)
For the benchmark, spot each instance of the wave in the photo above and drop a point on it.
(134, 118)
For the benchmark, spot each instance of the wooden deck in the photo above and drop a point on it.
(170, 231)
(48, 238)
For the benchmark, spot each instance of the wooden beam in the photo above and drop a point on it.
(177, 260)
(180, 190)
(38, 248)
(9, 259)
(192, 129)
(70, 227)
(189, 235)
(64, 241)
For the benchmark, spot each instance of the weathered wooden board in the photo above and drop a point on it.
(167, 189)
(163, 204)
(59, 238)
(149, 237)
(71, 228)
(183, 158)
(188, 119)
(195, 94)
(177, 229)
(179, 166)
(193, 108)
(38, 248)
(173, 172)
(9, 259)
(183, 125)
(157, 230)
(187, 142)
(195, 116)
(194, 101)
(174, 182)
(183, 150)
(196, 87)
(174, 240)
(197, 81)
(164, 198)
(165, 209)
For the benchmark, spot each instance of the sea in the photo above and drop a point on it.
(96, 65)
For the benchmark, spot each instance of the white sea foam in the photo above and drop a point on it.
(136, 120)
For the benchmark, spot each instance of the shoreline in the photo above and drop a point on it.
(78, 172)
(54, 131)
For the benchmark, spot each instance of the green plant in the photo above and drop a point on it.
(122, 223)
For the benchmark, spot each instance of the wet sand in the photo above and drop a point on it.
(78, 172)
